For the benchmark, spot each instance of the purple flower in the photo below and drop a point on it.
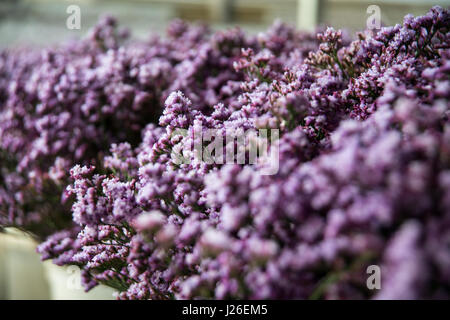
(364, 164)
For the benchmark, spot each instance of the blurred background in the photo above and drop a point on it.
(43, 22)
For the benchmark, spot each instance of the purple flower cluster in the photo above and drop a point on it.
(364, 168)
(66, 105)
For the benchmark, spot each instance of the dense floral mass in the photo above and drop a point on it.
(364, 160)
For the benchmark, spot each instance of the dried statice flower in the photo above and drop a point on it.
(364, 173)
(68, 104)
